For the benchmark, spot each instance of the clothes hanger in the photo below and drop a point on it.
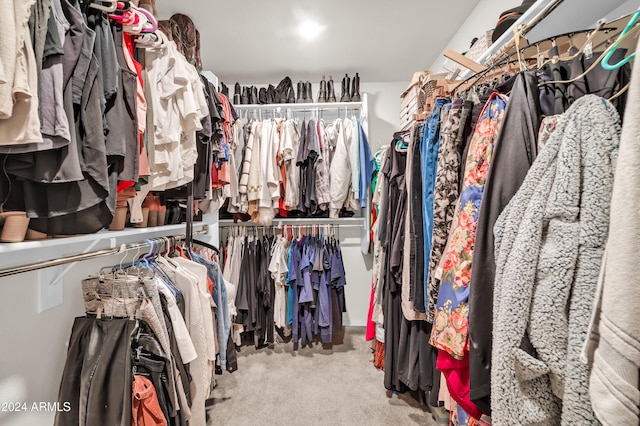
(150, 19)
(631, 25)
(112, 5)
(488, 73)
(581, 50)
(597, 62)
(620, 92)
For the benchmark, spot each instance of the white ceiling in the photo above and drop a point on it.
(256, 41)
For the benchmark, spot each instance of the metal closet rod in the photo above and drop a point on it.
(299, 106)
(523, 29)
(292, 226)
(86, 256)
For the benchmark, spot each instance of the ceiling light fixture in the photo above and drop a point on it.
(310, 29)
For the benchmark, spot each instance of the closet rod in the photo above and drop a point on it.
(293, 226)
(522, 29)
(86, 256)
(325, 106)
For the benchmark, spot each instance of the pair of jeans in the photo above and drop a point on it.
(429, 162)
(445, 195)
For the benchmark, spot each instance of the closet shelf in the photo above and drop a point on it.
(16, 254)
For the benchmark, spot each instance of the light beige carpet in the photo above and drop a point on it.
(313, 386)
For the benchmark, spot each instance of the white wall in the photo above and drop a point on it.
(484, 17)
(33, 346)
(358, 270)
(384, 110)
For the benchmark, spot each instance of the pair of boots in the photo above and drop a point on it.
(305, 92)
(284, 93)
(248, 96)
(327, 92)
(350, 92)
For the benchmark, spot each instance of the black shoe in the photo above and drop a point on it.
(224, 89)
(346, 87)
(253, 95)
(300, 97)
(308, 92)
(355, 90)
(322, 92)
(291, 94)
(262, 96)
(282, 90)
(236, 94)
(244, 99)
(331, 90)
(271, 95)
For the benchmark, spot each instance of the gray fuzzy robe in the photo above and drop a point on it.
(614, 345)
(549, 246)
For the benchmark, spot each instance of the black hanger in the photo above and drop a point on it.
(207, 245)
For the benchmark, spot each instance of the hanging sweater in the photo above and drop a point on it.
(549, 246)
(615, 332)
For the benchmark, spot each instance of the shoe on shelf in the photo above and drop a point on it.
(346, 88)
(224, 89)
(282, 90)
(262, 96)
(14, 226)
(244, 99)
(308, 92)
(271, 95)
(331, 90)
(300, 97)
(145, 219)
(322, 92)
(291, 95)
(236, 94)
(253, 96)
(355, 89)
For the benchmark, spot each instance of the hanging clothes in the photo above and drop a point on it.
(539, 347)
(294, 285)
(160, 317)
(515, 151)
(613, 373)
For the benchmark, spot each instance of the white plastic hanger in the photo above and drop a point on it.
(111, 7)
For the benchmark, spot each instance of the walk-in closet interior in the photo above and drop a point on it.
(324, 213)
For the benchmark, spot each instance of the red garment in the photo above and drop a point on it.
(226, 108)
(371, 326)
(145, 408)
(124, 184)
(456, 372)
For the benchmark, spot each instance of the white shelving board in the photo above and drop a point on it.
(16, 254)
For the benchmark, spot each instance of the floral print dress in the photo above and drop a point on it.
(450, 330)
